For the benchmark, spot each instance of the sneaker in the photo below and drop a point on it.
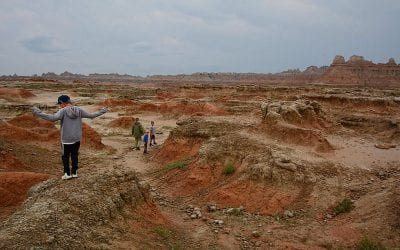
(66, 177)
(75, 175)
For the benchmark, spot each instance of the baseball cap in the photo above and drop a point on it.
(63, 98)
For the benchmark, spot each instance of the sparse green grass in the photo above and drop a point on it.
(345, 206)
(176, 247)
(229, 169)
(327, 245)
(367, 244)
(182, 164)
(163, 232)
(168, 237)
(236, 211)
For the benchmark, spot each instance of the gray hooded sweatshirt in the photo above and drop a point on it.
(71, 121)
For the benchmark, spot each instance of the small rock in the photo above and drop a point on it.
(285, 160)
(50, 239)
(385, 146)
(212, 208)
(288, 166)
(256, 234)
(329, 216)
(218, 222)
(288, 213)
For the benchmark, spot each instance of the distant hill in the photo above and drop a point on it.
(355, 71)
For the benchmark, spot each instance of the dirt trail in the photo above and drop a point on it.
(172, 210)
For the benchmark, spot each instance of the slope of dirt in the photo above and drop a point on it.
(14, 94)
(226, 175)
(30, 129)
(122, 122)
(61, 213)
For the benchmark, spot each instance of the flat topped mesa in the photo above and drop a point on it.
(358, 60)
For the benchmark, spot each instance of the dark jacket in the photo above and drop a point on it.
(137, 130)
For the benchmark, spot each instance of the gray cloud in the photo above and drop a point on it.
(176, 36)
(42, 44)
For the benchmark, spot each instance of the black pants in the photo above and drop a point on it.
(70, 150)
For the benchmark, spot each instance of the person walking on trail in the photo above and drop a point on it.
(152, 134)
(145, 141)
(71, 131)
(137, 132)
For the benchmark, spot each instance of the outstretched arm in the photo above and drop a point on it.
(85, 114)
(57, 116)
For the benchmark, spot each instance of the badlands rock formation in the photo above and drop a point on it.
(355, 71)
(358, 71)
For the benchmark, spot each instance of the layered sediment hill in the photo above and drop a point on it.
(358, 71)
(355, 71)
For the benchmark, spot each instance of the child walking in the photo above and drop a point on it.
(145, 141)
(152, 134)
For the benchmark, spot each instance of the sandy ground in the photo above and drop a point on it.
(302, 217)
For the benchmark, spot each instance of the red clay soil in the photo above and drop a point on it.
(166, 95)
(147, 225)
(297, 135)
(262, 199)
(15, 133)
(122, 122)
(344, 232)
(117, 103)
(43, 131)
(91, 137)
(148, 107)
(149, 214)
(177, 149)
(190, 109)
(190, 181)
(12, 94)
(29, 121)
(10, 163)
(254, 197)
(13, 189)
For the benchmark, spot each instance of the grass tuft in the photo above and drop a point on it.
(367, 244)
(163, 232)
(229, 169)
(182, 164)
(345, 206)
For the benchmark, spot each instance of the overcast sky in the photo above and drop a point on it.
(186, 36)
